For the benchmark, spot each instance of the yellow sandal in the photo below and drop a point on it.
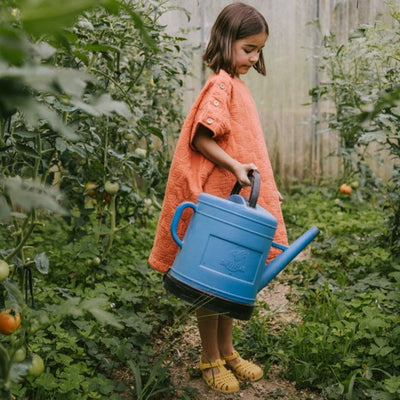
(223, 381)
(244, 369)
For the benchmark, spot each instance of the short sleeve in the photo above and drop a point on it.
(213, 109)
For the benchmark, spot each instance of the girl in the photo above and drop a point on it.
(220, 143)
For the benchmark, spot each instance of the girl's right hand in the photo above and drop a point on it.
(241, 173)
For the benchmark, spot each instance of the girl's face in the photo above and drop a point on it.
(246, 51)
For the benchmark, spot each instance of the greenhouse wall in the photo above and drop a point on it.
(297, 147)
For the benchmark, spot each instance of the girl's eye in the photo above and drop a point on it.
(249, 51)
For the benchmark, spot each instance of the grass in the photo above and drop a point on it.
(348, 297)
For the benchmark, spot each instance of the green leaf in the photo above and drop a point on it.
(138, 379)
(43, 17)
(70, 307)
(32, 195)
(19, 370)
(104, 105)
(61, 145)
(12, 45)
(35, 113)
(25, 134)
(140, 26)
(47, 381)
(5, 210)
(392, 385)
(14, 293)
(94, 306)
(26, 150)
(42, 263)
(369, 137)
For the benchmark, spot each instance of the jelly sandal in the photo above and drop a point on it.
(222, 381)
(244, 369)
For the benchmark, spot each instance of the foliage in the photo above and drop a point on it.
(85, 104)
(346, 345)
(362, 83)
(102, 356)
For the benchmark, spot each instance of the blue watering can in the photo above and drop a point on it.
(220, 265)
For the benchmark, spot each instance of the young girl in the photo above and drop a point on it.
(220, 143)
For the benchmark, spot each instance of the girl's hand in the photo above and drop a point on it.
(241, 172)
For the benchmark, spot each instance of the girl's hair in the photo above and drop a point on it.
(235, 21)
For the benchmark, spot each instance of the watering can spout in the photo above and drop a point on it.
(273, 268)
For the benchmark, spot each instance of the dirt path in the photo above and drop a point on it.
(185, 370)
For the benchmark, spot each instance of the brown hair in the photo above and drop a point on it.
(236, 21)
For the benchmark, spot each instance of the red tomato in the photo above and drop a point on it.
(9, 321)
(346, 189)
(90, 189)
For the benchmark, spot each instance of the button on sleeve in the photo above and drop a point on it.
(214, 110)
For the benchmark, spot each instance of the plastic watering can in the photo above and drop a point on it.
(221, 261)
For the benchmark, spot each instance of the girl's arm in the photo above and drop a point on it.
(210, 149)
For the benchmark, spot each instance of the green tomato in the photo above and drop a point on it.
(111, 188)
(147, 202)
(4, 270)
(37, 365)
(129, 136)
(20, 354)
(355, 184)
(96, 261)
(140, 152)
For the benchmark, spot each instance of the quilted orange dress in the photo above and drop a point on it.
(226, 107)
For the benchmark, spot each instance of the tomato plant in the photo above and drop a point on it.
(366, 107)
(74, 112)
(10, 321)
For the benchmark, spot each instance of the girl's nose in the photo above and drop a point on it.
(254, 57)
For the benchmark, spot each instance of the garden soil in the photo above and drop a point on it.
(185, 372)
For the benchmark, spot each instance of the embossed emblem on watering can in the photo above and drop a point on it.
(221, 261)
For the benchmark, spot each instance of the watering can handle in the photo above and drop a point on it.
(176, 218)
(254, 176)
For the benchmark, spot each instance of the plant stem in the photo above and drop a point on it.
(38, 160)
(113, 224)
(24, 237)
(2, 132)
(125, 94)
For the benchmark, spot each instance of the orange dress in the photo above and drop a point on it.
(226, 107)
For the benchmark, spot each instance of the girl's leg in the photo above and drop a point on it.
(216, 336)
(242, 368)
(213, 370)
(208, 328)
(225, 339)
